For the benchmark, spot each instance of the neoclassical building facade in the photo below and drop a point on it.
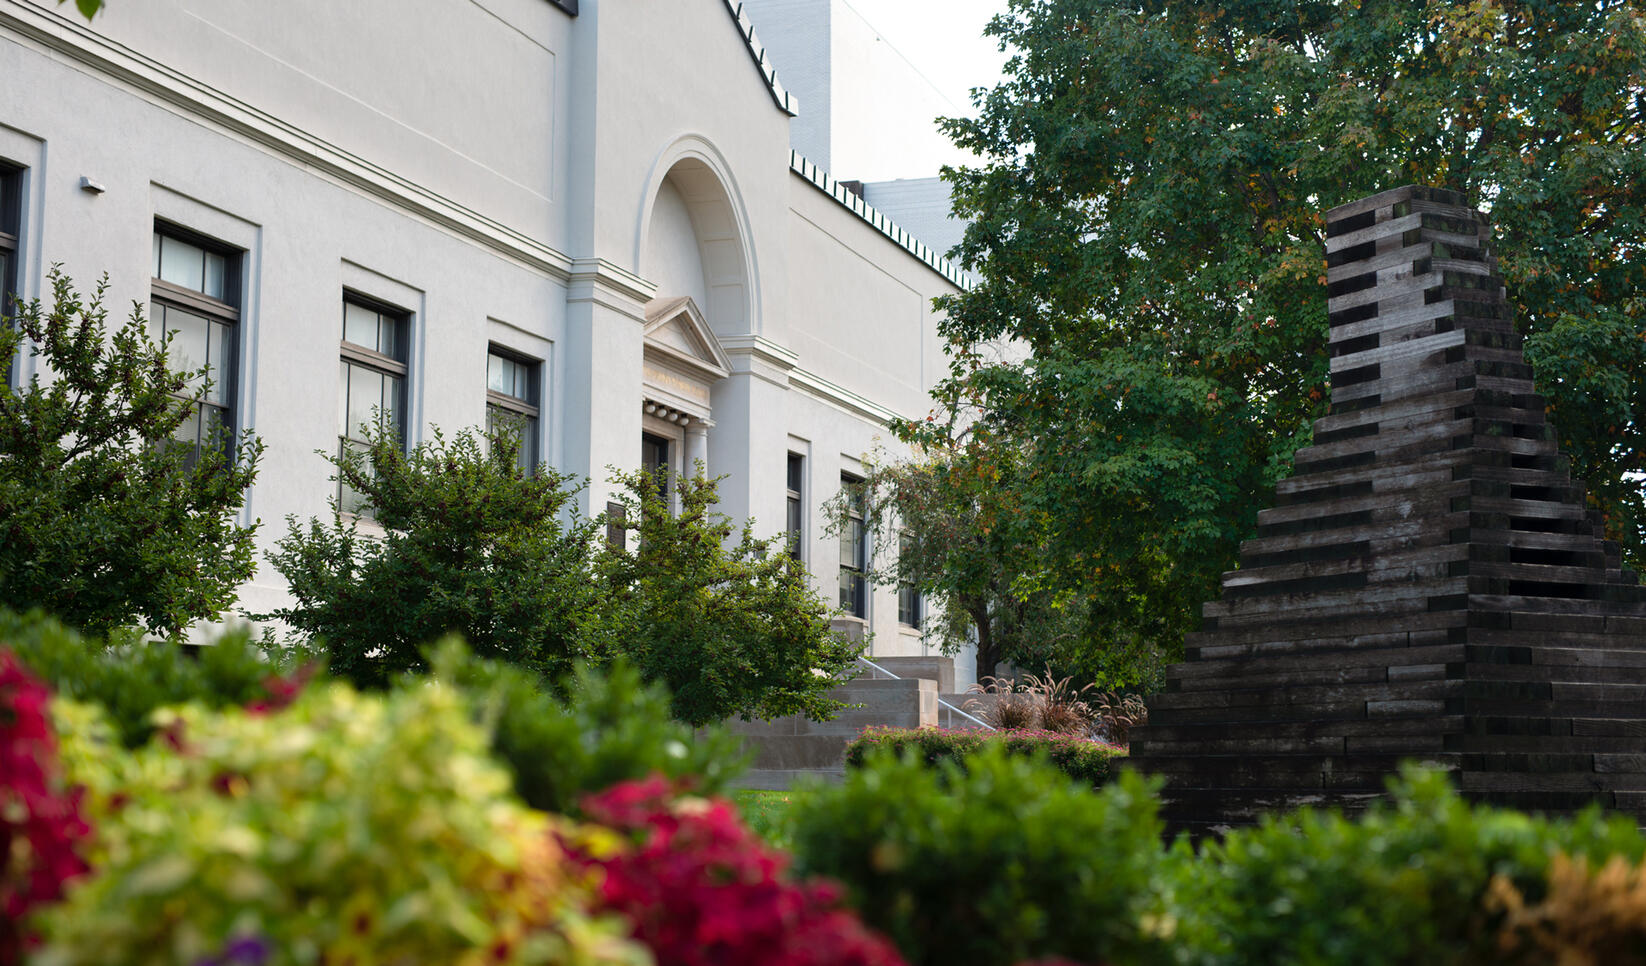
(584, 213)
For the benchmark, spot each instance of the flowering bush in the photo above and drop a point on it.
(345, 829)
(1083, 759)
(40, 823)
(701, 890)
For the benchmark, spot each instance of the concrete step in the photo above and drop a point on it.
(932, 668)
(797, 744)
(947, 718)
(783, 779)
(798, 751)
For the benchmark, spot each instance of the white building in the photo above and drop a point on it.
(585, 211)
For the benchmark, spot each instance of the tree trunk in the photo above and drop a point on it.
(987, 656)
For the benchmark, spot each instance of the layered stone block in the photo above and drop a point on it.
(1430, 583)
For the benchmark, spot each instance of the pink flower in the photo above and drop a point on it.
(701, 890)
(40, 821)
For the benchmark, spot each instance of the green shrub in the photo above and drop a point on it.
(609, 727)
(1404, 883)
(729, 623)
(110, 515)
(1003, 860)
(129, 678)
(1088, 762)
(348, 827)
(469, 543)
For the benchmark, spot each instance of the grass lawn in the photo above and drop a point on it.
(766, 813)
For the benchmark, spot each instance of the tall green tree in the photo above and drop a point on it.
(1147, 222)
(105, 519)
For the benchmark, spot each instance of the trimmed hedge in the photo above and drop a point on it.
(999, 859)
(991, 859)
(1089, 762)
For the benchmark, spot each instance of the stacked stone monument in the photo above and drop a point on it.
(1430, 584)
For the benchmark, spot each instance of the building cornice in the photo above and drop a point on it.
(783, 99)
(824, 182)
(62, 35)
(840, 397)
(594, 279)
(765, 359)
(761, 349)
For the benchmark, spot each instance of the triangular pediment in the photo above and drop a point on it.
(677, 332)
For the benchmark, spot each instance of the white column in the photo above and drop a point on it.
(697, 444)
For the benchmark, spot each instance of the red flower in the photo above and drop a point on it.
(282, 690)
(701, 890)
(40, 822)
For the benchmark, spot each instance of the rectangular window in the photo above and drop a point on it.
(796, 507)
(11, 198)
(194, 301)
(512, 394)
(909, 603)
(11, 203)
(654, 459)
(373, 374)
(854, 545)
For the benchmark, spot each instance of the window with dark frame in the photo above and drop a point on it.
(195, 302)
(654, 459)
(512, 394)
(796, 507)
(373, 373)
(854, 545)
(909, 602)
(11, 204)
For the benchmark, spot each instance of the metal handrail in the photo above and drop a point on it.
(898, 677)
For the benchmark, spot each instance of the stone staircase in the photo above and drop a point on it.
(788, 748)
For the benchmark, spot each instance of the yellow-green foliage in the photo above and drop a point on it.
(348, 828)
(1585, 920)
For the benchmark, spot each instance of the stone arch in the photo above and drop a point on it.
(692, 173)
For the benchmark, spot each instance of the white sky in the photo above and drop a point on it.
(943, 39)
(942, 43)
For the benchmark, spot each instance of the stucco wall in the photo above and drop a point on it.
(536, 214)
(465, 100)
(305, 239)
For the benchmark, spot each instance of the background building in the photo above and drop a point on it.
(585, 213)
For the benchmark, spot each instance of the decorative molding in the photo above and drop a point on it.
(826, 183)
(594, 279)
(762, 349)
(611, 275)
(61, 34)
(783, 99)
(708, 361)
(839, 397)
